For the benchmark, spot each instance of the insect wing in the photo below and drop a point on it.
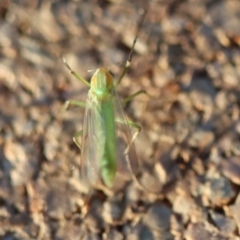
(127, 162)
(93, 143)
(89, 165)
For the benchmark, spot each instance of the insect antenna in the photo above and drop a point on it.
(128, 63)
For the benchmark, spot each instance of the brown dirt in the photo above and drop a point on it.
(187, 58)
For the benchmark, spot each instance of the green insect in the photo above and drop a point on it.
(107, 149)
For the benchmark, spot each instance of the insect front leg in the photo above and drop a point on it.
(129, 98)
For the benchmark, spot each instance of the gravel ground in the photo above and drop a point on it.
(187, 58)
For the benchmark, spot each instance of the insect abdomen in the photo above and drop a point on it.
(108, 165)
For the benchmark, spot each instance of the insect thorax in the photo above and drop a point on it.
(102, 84)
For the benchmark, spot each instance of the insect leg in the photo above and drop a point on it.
(129, 98)
(80, 78)
(138, 127)
(79, 104)
(131, 124)
(76, 136)
(74, 102)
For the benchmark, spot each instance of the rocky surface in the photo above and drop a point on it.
(187, 58)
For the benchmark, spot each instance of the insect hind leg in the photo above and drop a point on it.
(126, 153)
(75, 138)
(131, 124)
